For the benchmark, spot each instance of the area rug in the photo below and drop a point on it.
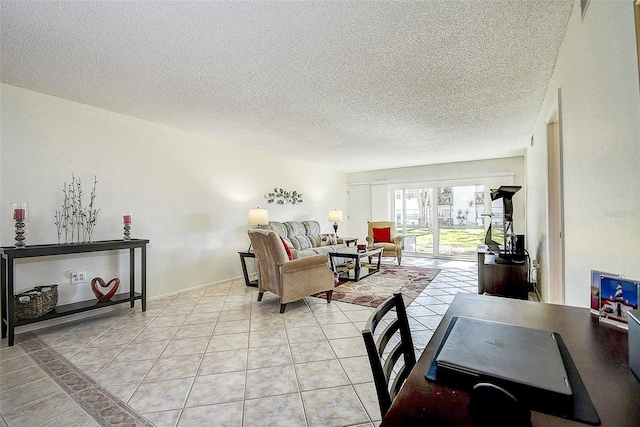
(375, 289)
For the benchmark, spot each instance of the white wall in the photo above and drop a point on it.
(189, 194)
(377, 184)
(597, 73)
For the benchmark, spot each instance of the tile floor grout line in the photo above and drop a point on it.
(295, 374)
(195, 376)
(120, 352)
(184, 405)
(364, 409)
(244, 389)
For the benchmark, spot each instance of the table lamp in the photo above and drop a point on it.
(257, 217)
(335, 216)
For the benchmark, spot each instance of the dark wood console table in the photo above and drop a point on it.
(9, 254)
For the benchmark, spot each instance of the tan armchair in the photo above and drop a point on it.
(390, 249)
(293, 279)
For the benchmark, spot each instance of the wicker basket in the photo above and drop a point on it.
(35, 302)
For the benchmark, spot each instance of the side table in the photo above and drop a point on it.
(243, 256)
(349, 240)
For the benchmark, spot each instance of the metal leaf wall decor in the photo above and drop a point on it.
(282, 197)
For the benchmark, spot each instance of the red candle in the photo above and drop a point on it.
(19, 214)
(126, 219)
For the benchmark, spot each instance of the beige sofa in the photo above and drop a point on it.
(305, 238)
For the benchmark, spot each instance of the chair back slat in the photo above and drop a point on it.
(380, 312)
(391, 360)
(399, 381)
(384, 398)
(386, 335)
(383, 365)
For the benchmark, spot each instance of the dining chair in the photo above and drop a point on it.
(383, 363)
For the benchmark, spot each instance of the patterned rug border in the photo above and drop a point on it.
(95, 400)
(410, 289)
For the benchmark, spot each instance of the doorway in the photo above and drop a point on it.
(359, 211)
(555, 214)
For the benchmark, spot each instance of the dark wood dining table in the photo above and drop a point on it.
(599, 351)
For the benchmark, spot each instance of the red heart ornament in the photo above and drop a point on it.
(108, 295)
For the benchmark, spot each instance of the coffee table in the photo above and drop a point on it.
(356, 255)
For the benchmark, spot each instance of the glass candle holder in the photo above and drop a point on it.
(19, 214)
(127, 219)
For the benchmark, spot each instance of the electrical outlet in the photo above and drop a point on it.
(78, 276)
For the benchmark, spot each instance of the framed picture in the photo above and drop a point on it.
(617, 296)
(595, 289)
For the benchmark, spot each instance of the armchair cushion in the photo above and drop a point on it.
(386, 246)
(382, 235)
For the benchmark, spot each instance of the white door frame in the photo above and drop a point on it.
(555, 201)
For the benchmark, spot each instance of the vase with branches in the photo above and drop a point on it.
(73, 219)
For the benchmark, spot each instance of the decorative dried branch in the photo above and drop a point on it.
(92, 214)
(73, 218)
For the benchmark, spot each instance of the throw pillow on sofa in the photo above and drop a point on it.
(286, 248)
(328, 239)
(382, 235)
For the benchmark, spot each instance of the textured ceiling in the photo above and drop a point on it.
(349, 85)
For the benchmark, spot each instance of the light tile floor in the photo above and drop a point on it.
(216, 356)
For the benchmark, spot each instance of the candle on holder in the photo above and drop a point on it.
(19, 214)
(127, 219)
(19, 211)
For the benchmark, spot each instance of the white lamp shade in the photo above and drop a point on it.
(258, 216)
(335, 215)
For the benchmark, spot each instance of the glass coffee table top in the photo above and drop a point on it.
(357, 271)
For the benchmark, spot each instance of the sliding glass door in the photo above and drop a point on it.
(414, 216)
(460, 225)
(449, 224)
